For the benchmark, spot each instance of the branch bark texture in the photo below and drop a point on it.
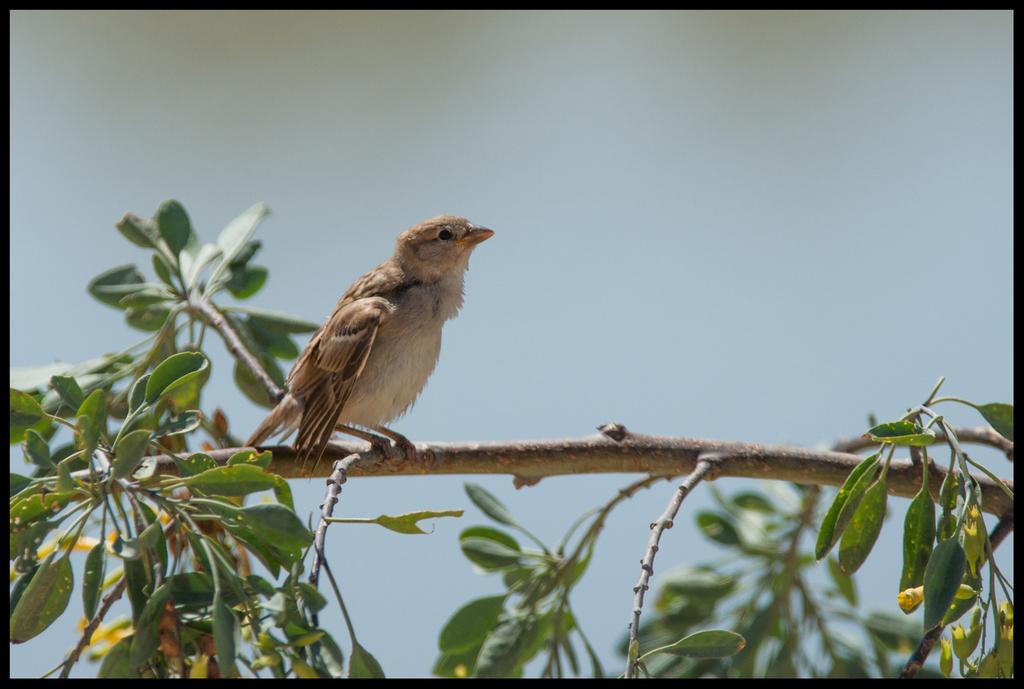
(531, 460)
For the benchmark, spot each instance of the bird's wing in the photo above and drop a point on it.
(330, 367)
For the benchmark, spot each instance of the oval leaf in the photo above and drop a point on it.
(918, 539)
(1000, 417)
(363, 665)
(901, 433)
(111, 286)
(129, 451)
(173, 224)
(712, 643)
(225, 626)
(942, 579)
(147, 627)
(44, 599)
(69, 391)
(489, 554)
(865, 525)
(25, 411)
(499, 654)
(838, 514)
(240, 479)
(176, 370)
(92, 577)
(234, 236)
(470, 624)
(489, 504)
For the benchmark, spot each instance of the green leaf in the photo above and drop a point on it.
(718, 528)
(206, 254)
(145, 297)
(274, 320)
(31, 507)
(25, 411)
(279, 525)
(250, 386)
(111, 286)
(276, 343)
(712, 643)
(489, 554)
(138, 585)
(246, 281)
(37, 450)
(115, 663)
(901, 433)
(148, 319)
(405, 523)
(185, 422)
(164, 270)
(1000, 417)
(918, 538)
(44, 599)
(831, 530)
(499, 654)
(489, 504)
(147, 627)
(129, 451)
(139, 231)
(137, 395)
(68, 390)
(174, 371)
(195, 464)
(233, 238)
(470, 624)
(248, 456)
(362, 664)
(92, 418)
(92, 578)
(18, 483)
(865, 525)
(751, 500)
(942, 579)
(225, 626)
(232, 481)
(173, 224)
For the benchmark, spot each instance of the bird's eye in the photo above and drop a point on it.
(444, 234)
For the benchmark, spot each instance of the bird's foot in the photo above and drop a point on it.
(400, 441)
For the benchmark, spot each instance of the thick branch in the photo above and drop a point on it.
(704, 466)
(532, 460)
(234, 344)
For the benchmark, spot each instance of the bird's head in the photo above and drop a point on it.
(438, 247)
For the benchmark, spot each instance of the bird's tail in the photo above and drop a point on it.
(282, 418)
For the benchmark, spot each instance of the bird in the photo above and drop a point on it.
(369, 361)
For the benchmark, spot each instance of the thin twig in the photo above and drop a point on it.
(705, 465)
(1000, 531)
(83, 641)
(234, 344)
(597, 454)
(339, 474)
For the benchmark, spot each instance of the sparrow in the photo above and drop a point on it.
(371, 358)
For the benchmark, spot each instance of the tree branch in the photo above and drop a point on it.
(83, 641)
(234, 344)
(532, 460)
(705, 465)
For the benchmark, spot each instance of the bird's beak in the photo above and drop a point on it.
(476, 235)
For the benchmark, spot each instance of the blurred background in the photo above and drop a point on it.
(745, 226)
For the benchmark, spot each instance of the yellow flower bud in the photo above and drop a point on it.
(911, 598)
(965, 592)
(946, 657)
(974, 539)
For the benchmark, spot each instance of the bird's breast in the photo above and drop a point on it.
(404, 354)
